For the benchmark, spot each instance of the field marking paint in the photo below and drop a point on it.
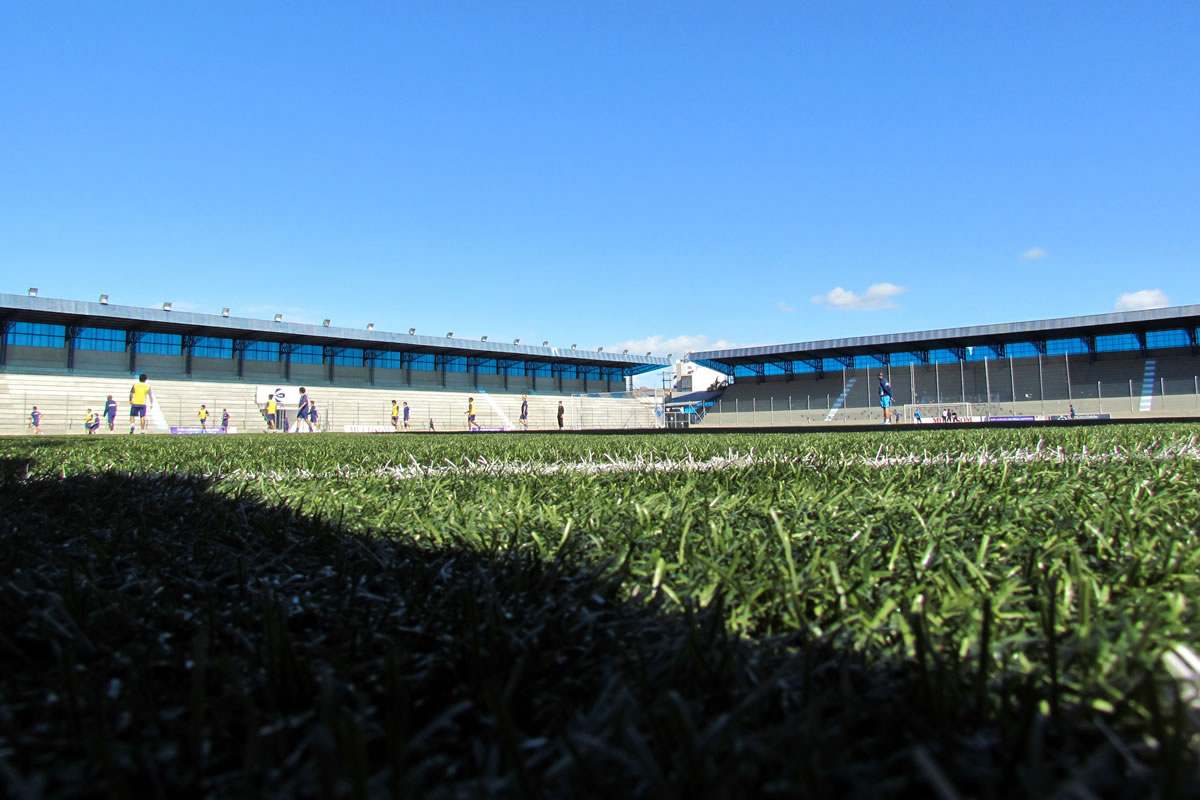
(736, 461)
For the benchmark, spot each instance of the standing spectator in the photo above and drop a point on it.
(140, 399)
(202, 415)
(431, 427)
(524, 412)
(302, 411)
(312, 416)
(110, 412)
(1071, 406)
(272, 411)
(471, 414)
(561, 411)
(35, 421)
(225, 420)
(885, 398)
(396, 416)
(407, 424)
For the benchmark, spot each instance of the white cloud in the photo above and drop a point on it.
(877, 296)
(676, 345)
(1139, 301)
(1035, 254)
(785, 308)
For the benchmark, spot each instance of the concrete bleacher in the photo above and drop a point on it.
(64, 399)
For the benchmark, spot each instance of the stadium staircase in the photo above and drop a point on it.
(1148, 373)
(841, 400)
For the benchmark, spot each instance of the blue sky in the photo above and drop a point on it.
(665, 176)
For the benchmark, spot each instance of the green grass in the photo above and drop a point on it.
(720, 615)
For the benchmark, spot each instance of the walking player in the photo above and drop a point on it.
(140, 399)
(885, 398)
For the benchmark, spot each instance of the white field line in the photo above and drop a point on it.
(735, 461)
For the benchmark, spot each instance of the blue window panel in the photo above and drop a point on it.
(262, 351)
(541, 369)
(423, 361)
(163, 344)
(105, 339)
(350, 357)
(388, 360)
(37, 334)
(456, 364)
(1022, 350)
(1162, 339)
(209, 347)
(308, 354)
(1117, 343)
(1058, 347)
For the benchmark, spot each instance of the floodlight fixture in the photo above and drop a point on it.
(483, 338)
(225, 311)
(572, 347)
(33, 291)
(647, 352)
(546, 343)
(412, 331)
(516, 341)
(449, 334)
(279, 317)
(166, 306)
(625, 352)
(370, 326)
(103, 299)
(599, 349)
(325, 323)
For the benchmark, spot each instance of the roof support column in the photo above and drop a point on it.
(239, 353)
(328, 353)
(369, 357)
(70, 336)
(5, 328)
(189, 345)
(132, 338)
(285, 355)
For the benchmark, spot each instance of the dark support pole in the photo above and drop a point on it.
(189, 344)
(70, 336)
(1141, 340)
(1040, 347)
(285, 355)
(132, 338)
(369, 357)
(239, 352)
(5, 328)
(328, 354)
(1090, 343)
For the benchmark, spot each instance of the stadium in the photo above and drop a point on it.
(771, 594)
(66, 357)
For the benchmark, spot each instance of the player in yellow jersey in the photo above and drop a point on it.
(272, 408)
(202, 415)
(140, 399)
(395, 417)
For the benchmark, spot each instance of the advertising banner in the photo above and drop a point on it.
(284, 395)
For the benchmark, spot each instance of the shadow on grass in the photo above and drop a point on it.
(159, 638)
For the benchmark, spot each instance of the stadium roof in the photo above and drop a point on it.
(22, 308)
(1086, 329)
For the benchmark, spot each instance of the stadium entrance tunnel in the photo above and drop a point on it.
(162, 635)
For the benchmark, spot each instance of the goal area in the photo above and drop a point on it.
(942, 412)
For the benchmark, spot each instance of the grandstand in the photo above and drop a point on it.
(66, 356)
(1123, 365)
